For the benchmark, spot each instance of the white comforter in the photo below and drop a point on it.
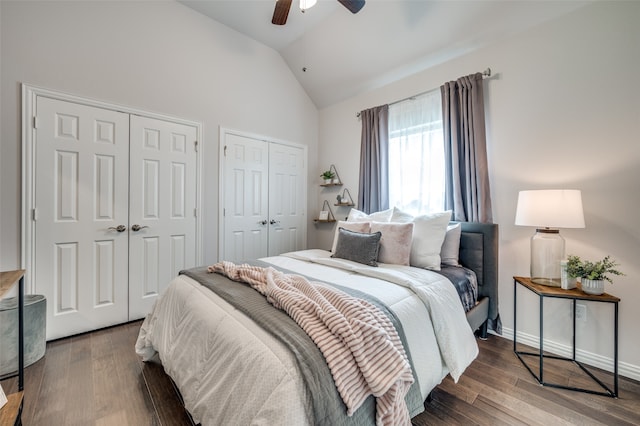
(230, 371)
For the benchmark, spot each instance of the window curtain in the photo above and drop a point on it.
(467, 176)
(373, 189)
(416, 154)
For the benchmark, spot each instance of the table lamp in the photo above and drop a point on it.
(548, 210)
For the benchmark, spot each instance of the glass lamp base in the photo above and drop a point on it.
(551, 282)
(547, 250)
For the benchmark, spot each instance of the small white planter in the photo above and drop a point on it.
(594, 287)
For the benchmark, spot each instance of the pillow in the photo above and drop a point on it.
(395, 243)
(428, 235)
(399, 216)
(358, 216)
(358, 246)
(451, 246)
(351, 226)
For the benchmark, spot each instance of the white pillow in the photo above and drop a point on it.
(395, 243)
(428, 235)
(358, 216)
(364, 227)
(400, 216)
(451, 246)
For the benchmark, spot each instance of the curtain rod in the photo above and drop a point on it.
(485, 73)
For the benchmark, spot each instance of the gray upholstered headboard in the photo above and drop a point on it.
(479, 252)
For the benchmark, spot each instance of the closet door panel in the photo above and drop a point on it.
(81, 197)
(287, 203)
(162, 208)
(246, 177)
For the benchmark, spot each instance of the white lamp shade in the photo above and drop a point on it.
(550, 208)
(307, 4)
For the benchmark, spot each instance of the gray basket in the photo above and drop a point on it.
(35, 318)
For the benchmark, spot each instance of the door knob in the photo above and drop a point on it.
(274, 222)
(136, 227)
(262, 222)
(119, 228)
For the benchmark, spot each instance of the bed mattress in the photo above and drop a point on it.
(231, 371)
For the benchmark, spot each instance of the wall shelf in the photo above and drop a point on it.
(330, 217)
(336, 181)
(346, 195)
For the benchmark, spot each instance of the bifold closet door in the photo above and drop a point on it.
(162, 208)
(246, 198)
(81, 215)
(287, 204)
(114, 212)
(263, 198)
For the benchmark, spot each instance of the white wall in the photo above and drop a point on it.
(154, 55)
(563, 111)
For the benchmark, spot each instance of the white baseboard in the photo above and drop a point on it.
(605, 363)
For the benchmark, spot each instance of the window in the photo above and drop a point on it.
(416, 154)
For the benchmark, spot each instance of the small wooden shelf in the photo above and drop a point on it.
(346, 195)
(9, 413)
(333, 169)
(331, 218)
(8, 279)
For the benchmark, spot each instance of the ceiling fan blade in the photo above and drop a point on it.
(281, 12)
(354, 6)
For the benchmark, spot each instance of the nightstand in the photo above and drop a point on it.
(11, 412)
(574, 295)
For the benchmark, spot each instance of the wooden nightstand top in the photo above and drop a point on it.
(8, 279)
(9, 412)
(575, 293)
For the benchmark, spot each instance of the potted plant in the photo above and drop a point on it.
(327, 175)
(592, 274)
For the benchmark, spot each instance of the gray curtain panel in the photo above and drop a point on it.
(373, 194)
(467, 191)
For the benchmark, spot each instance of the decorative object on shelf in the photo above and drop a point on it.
(594, 287)
(566, 282)
(592, 274)
(328, 176)
(549, 210)
(325, 215)
(331, 177)
(345, 199)
(3, 397)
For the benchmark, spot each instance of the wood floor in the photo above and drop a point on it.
(97, 379)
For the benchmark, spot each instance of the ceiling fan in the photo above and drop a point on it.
(281, 10)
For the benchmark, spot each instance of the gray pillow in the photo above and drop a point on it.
(358, 246)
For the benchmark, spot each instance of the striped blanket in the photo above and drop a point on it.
(360, 344)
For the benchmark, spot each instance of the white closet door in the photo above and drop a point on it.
(287, 203)
(162, 208)
(81, 196)
(246, 191)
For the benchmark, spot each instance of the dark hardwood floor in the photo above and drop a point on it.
(97, 379)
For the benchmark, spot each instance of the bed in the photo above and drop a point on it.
(230, 370)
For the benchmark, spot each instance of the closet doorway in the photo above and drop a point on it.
(263, 196)
(110, 208)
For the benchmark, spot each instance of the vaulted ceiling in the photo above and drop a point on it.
(335, 54)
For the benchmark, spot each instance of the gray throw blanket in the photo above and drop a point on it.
(328, 407)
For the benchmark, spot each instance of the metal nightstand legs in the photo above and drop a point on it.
(541, 356)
